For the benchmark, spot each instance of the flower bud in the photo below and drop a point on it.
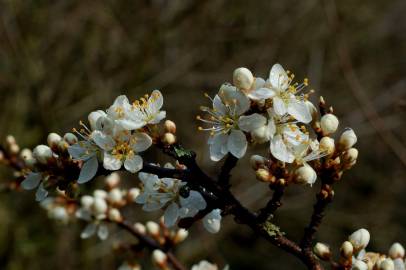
(263, 175)
(159, 257)
(115, 215)
(305, 175)
(359, 239)
(312, 109)
(169, 138)
(348, 139)
(327, 145)
(99, 193)
(322, 251)
(53, 140)
(133, 193)
(396, 251)
(14, 149)
(93, 117)
(87, 201)
(243, 78)
(42, 153)
(112, 180)
(387, 264)
(329, 123)
(140, 227)
(170, 126)
(63, 146)
(115, 196)
(152, 228)
(257, 161)
(347, 250)
(10, 140)
(26, 154)
(181, 235)
(350, 155)
(359, 265)
(99, 206)
(70, 138)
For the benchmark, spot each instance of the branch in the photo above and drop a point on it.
(274, 203)
(228, 165)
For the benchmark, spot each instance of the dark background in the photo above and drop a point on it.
(61, 59)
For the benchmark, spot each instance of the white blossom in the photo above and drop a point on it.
(212, 221)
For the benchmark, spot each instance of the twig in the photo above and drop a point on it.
(273, 204)
(229, 164)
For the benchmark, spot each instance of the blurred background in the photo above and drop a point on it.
(59, 60)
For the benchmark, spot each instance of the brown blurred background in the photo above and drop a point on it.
(61, 59)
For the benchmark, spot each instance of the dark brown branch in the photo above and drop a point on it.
(274, 203)
(225, 173)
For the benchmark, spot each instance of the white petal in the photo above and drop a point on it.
(171, 215)
(399, 264)
(192, 204)
(279, 106)
(133, 163)
(251, 122)
(300, 111)
(237, 100)
(262, 93)
(41, 193)
(31, 181)
(155, 101)
(129, 124)
(218, 105)
(278, 77)
(237, 143)
(103, 232)
(212, 221)
(111, 163)
(102, 140)
(120, 106)
(140, 141)
(89, 230)
(88, 170)
(79, 151)
(271, 127)
(259, 83)
(94, 117)
(280, 151)
(83, 214)
(217, 142)
(158, 117)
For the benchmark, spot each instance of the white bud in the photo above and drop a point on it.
(327, 144)
(159, 257)
(257, 161)
(396, 251)
(263, 175)
(99, 206)
(140, 227)
(112, 180)
(115, 215)
(387, 264)
(181, 235)
(115, 196)
(169, 138)
(152, 228)
(59, 213)
(359, 265)
(305, 175)
(348, 139)
(94, 117)
(350, 155)
(99, 193)
(70, 138)
(14, 149)
(347, 249)
(243, 78)
(261, 135)
(30, 163)
(63, 146)
(133, 193)
(86, 201)
(42, 153)
(10, 140)
(329, 123)
(53, 140)
(322, 251)
(170, 126)
(26, 154)
(359, 239)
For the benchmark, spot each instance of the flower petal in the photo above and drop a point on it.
(155, 101)
(217, 142)
(140, 141)
(102, 140)
(262, 93)
(103, 232)
(41, 193)
(192, 204)
(111, 163)
(130, 124)
(133, 163)
(89, 170)
(212, 221)
(171, 215)
(278, 77)
(250, 122)
(31, 181)
(94, 117)
(299, 110)
(237, 143)
(280, 151)
(218, 105)
(279, 106)
(89, 230)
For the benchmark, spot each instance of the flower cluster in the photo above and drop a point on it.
(353, 254)
(275, 111)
